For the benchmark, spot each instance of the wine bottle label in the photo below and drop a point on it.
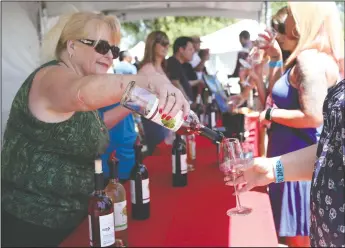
(90, 231)
(213, 119)
(206, 119)
(144, 189)
(120, 210)
(202, 118)
(132, 189)
(173, 124)
(106, 228)
(183, 162)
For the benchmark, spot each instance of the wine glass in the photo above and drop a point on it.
(231, 158)
(248, 150)
(256, 54)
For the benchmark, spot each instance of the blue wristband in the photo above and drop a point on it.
(273, 64)
(279, 171)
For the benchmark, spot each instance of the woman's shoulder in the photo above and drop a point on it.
(312, 63)
(147, 68)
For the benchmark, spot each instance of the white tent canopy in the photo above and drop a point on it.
(138, 50)
(224, 45)
(134, 10)
(22, 24)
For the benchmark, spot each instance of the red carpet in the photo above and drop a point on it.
(193, 215)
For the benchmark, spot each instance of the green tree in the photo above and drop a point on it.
(173, 26)
(275, 6)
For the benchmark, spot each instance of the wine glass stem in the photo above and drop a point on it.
(238, 203)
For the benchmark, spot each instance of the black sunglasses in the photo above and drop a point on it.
(279, 27)
(163, 43)
(102, 47)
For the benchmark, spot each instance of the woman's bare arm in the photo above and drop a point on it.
(310, 79)
(64, 91)
(113, 116)
(298, 165)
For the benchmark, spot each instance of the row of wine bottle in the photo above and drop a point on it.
(107, 209)
(206, 114)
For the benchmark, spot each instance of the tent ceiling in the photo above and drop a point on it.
(134, 10)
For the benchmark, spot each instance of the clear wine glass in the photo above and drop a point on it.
(256, 54)
(231, 158)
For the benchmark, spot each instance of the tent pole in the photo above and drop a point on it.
(268, 13)
(42, 15)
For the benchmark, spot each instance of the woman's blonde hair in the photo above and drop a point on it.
(279, 17)
(318, 25)
(152, 39)
(72, 27)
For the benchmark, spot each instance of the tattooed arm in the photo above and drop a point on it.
(309, 77)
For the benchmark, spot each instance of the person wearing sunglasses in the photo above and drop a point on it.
(54, 133)
(313, 35)
(278, 24)
(156, 49)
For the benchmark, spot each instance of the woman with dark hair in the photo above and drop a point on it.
(156, 49)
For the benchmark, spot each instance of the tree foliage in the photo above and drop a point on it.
(275, 6)
(173, 26)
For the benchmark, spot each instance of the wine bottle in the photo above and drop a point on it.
(139, 186)
(117, 194)
(191, 152)
(144, 102)
(215, 109)
(100, 213)
(199, 109)
(179, 163)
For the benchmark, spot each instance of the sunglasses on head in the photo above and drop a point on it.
(102, 47)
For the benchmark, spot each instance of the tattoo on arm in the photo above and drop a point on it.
(311, 83)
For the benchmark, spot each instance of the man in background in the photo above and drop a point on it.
(243, 54)
(125, 66)
(198, 62)
(183, 50)
(136, 62)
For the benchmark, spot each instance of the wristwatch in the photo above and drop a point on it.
(268, 115)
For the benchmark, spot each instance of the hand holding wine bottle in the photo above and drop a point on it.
(170, 100)
(146, 103)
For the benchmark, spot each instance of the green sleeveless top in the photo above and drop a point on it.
(47, 169)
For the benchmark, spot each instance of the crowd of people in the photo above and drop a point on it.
(67, 113)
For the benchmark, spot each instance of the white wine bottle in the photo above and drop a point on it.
(117, 194)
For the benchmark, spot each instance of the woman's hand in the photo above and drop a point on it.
(171, 99)
(235, 101)
(258, 173)
(271, 46)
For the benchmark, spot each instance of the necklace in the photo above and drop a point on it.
(98, 119)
